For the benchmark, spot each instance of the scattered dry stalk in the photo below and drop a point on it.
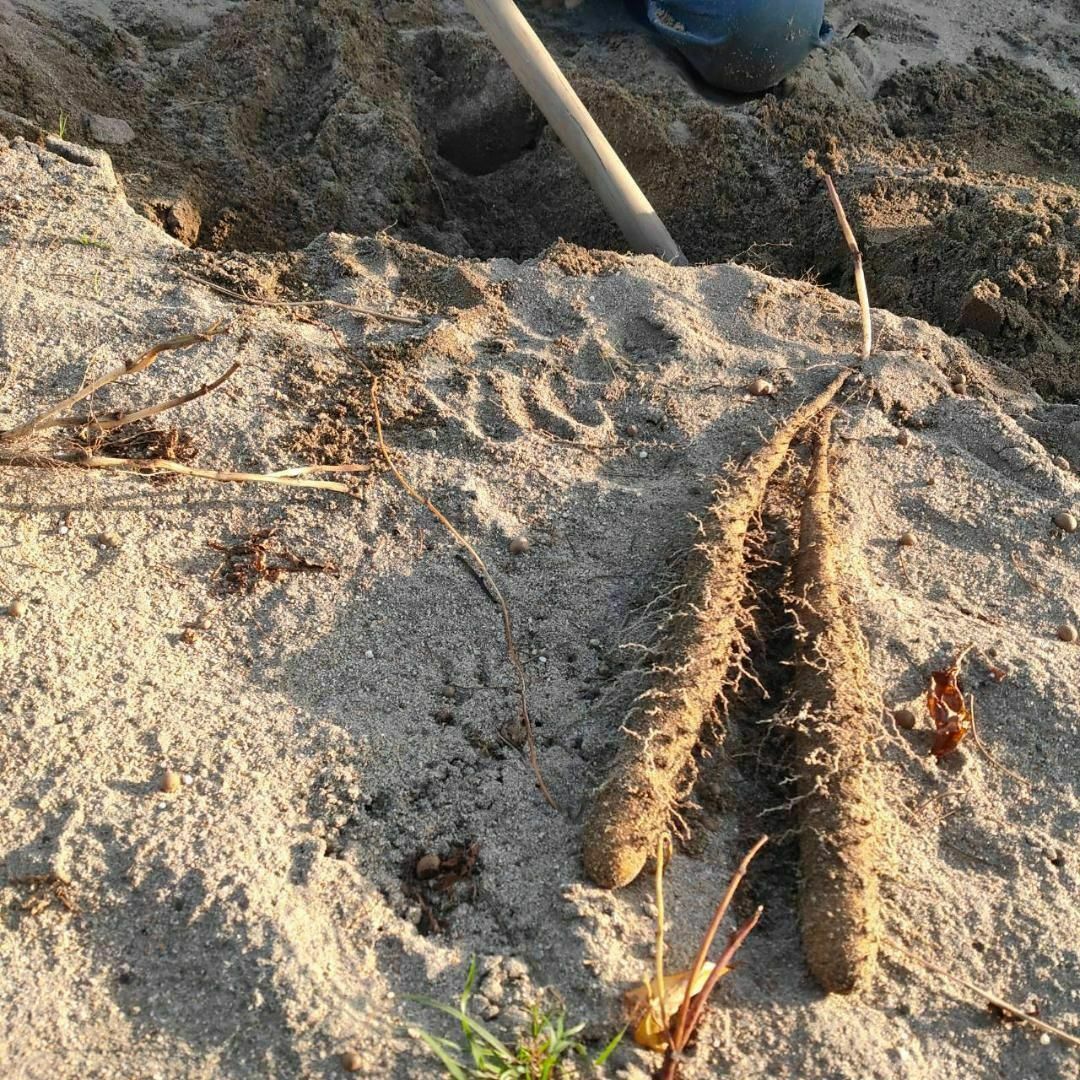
(1024, 574)
(356, 309)
(283, 477)
(1015, 1011)
(87, 459)
(986, 753)
(481, 571)
(860, 277)
(111, 422)
(132, 368)
(838, 803)
(654, 769)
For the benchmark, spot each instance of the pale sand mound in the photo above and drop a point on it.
(255, 922)
(954, 131)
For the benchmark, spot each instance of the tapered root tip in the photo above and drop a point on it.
(620, 835)
(612, 867)
(840, 915)
(843, 970)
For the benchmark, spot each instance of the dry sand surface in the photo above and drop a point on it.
(332, 722)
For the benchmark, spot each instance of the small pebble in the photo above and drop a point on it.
(187, 779)
(1065, 521)
(632, 430)
(188, 636)
(63, 530)
(351, 1061)
(449, 691)
(519, 545)
(1067, 632)
(109, 540)
(762, 387)
(903, 437)
(907, 539)
(904, 718)
(111, 130)
(204, 622)
(427, 866)
(1044, 1038)
(643, 454)
(1061, 462)
(170, 781)
(17, 609)
(369, 654)
(959, 384)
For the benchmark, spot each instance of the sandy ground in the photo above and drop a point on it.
(332, 727)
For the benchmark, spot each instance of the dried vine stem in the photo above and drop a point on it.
(356, 309)
(686, 1021)
(284, 477)
(481, 571)
(112, 421)
(860, 277)
(133, 367)
(988, 996)
(1021, 780)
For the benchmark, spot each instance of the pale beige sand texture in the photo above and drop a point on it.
(256, 923)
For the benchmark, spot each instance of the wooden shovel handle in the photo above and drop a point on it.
(555, 97)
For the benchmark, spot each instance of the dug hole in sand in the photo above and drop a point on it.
(240, 719)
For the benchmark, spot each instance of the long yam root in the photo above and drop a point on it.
(654, 769)
(838, 800)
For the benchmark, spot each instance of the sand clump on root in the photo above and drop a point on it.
(653, 771)
(837, 805)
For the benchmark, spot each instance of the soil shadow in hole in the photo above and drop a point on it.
(486, 119)
(479, 144)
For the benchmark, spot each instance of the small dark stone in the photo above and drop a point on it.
(351, 1061)
(904, 718)
(427, 866)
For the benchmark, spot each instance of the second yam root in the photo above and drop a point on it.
(654, 769)
(832, 715)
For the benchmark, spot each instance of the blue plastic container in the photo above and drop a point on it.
(741, 45)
